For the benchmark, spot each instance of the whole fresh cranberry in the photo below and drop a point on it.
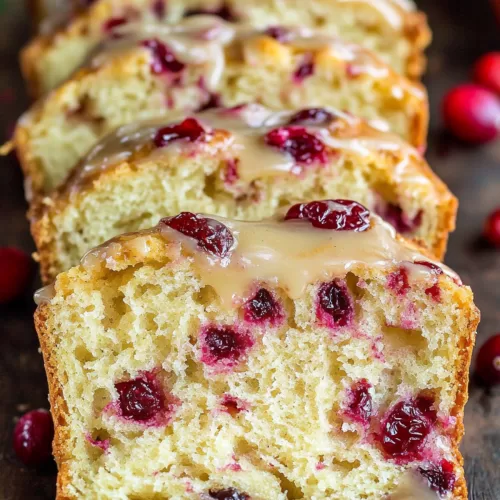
(189, 129)
(492, 228)
(15, 273)
(406, 427)
(472, 113)
(211, 235)
(304, 147)
(164, 60)
(334, 305)
(440, 477)
(140, 399)
(340, 215)
(488, 361)
(228, 494)
(33, 437)
(487, 71)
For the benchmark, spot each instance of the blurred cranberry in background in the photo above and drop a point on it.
(15, 273)
(472, 113)
(33, 436)
(487, 71)
(488, 361)
(492, 228)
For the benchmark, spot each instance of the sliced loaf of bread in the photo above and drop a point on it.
(314, 355)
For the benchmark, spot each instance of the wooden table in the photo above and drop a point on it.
(463, 30)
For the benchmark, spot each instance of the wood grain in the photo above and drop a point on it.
(463, 30)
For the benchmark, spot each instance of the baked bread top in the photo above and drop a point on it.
(210, 357)
(392, 28)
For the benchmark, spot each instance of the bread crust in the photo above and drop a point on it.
(462, 296)
(415, 30)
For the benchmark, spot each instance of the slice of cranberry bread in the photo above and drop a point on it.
(244, 163)
(393, 29)
(152, 70)
(313, 355)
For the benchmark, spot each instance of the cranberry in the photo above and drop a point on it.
(303, 146)
(212, 236)
(189, 129)
(164, 61)
(224, 12)
(304, 70)
(111, 24)
(140, 399)
(33, 436)
(214, 101)
(433, 267)
(224, 344)
(440, 477)
(472, 113)
(340, 215)
(279, 33)
(488, 361)
(228, 494)
(15, 273)
(159, 9)
(434, 292)
(395, 216)
(492, 228)
(230, 174)
(487, 71)
(360, 407)
(261, 307)
(312, 116)
(398, 281)
(334, 304)
(233, 405)
(405, 428)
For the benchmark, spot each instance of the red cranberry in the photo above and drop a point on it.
(403, 224)
(140, 399)
(15, 273)
(398, 281)
(111, 24)
(440, 477)
(189, 129)
(228, 494)
(224, 12)
(433, 267)
(33, 436)
(233, 405)
(164, 61)
(472, 113)
(230, 174)
(334, 304)
(159, 8)
(492, 228)
(340, 215)
(487, 71)
(360, 407)
(304, 70)
(212, 236)
(312, 116)
(488, 361)
(224, 344)
(261, 307)
(214, 101)
(304, 147)
(434, 292)
(405, 428)
(279, 33)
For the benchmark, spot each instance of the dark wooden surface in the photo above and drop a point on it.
(463, 30)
